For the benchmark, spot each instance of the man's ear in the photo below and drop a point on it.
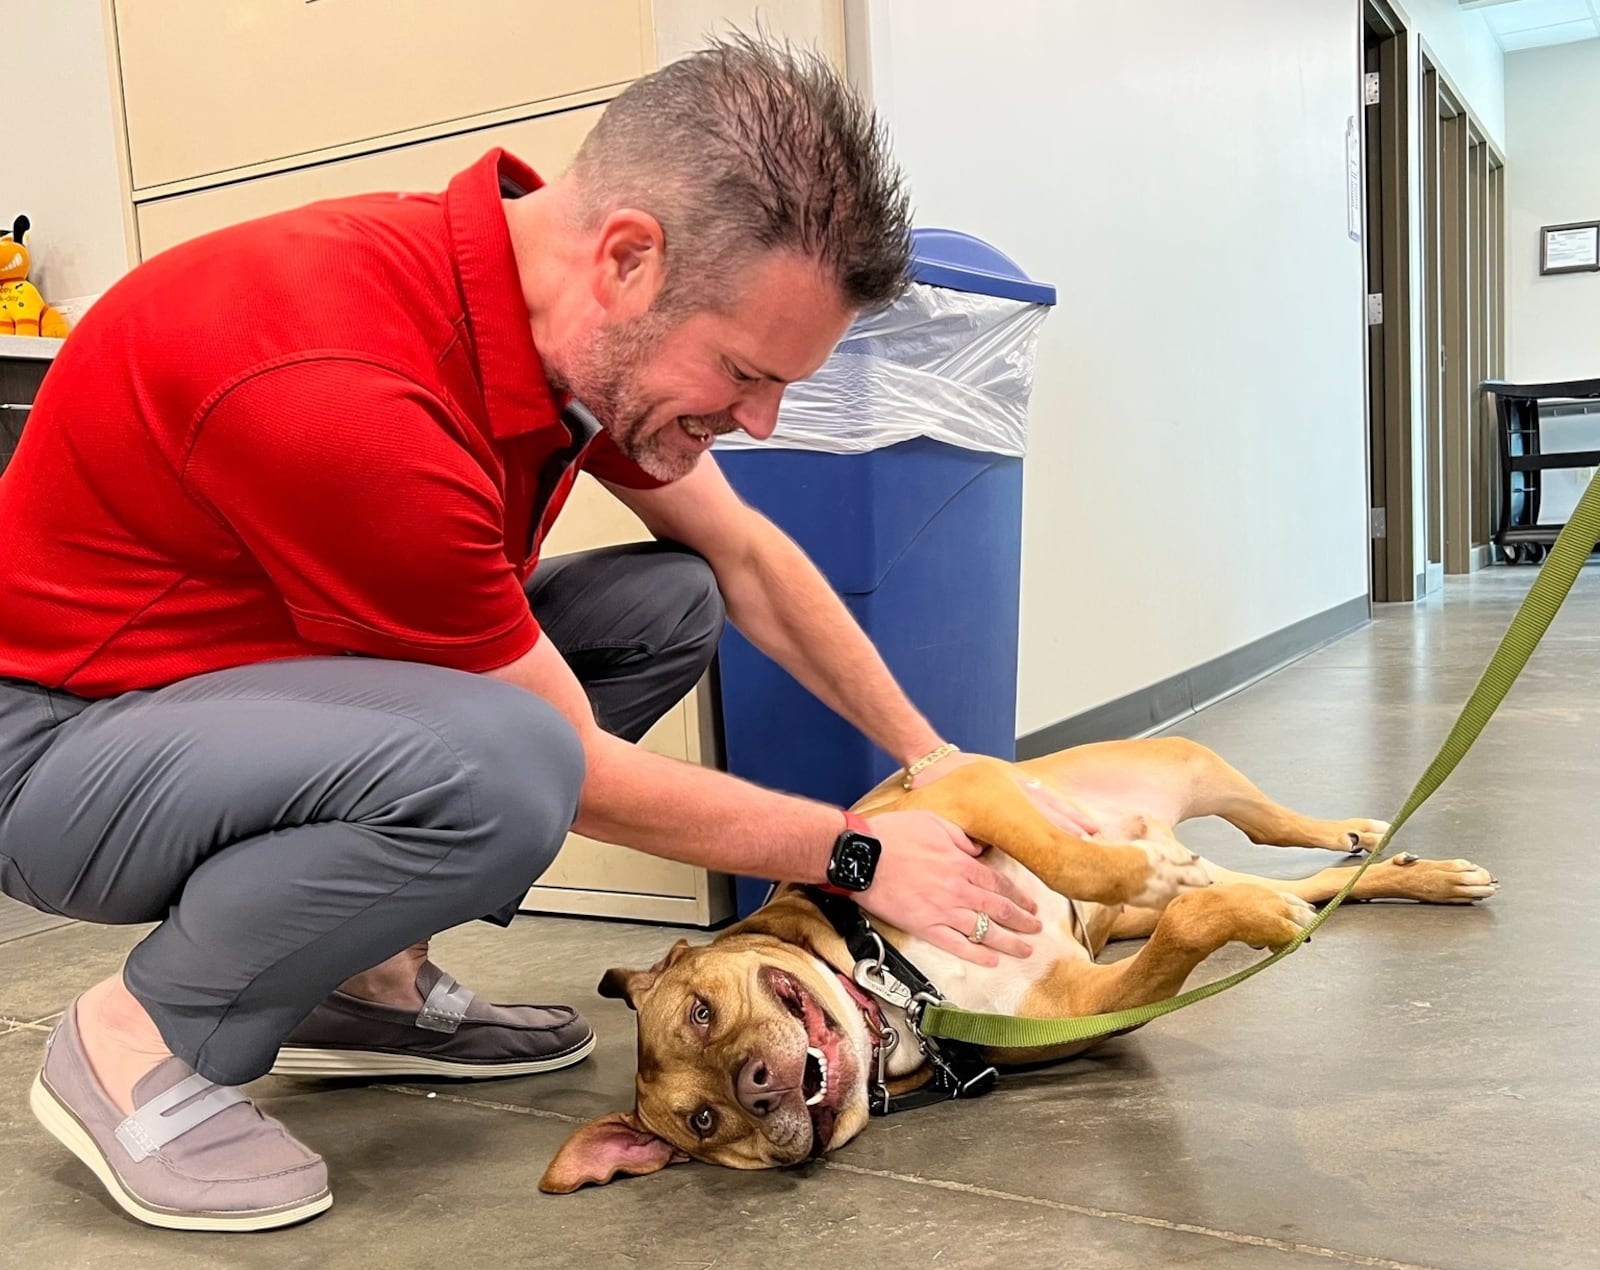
(630, 262)
(600, 1150)
(631, 985)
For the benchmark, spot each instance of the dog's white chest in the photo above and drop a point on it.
(992, 989)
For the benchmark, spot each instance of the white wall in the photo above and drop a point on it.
(60, 165)
(1552, 177)
(681, 25)
(1197, 471)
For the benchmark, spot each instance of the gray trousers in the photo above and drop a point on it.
(292, 823)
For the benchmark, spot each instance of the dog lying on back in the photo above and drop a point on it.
(757, 1050)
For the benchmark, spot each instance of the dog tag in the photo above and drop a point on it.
(875, 979)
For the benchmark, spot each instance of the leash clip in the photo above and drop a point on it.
(872, 976)
(878, 1095)
(955, 1074)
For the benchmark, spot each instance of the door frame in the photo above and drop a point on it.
(1488, 324)
(1463, 318)
(1455, 266)
(1431, 371)
(1387, 254)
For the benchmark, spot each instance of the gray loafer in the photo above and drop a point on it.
(192, 1156)
(454, 1035)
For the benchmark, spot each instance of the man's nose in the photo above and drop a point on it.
(758, 413)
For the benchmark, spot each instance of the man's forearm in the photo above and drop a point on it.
(780, 601)
(679, 810)
(700, 816)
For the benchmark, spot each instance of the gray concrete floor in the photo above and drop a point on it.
(1417, 1088)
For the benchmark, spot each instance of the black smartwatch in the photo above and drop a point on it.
(854, 861)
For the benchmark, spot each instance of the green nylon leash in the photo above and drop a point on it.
(1556, 576)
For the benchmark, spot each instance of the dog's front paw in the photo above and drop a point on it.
(1405, 877)
(1262, 917)
(1174, 869)
(1358, 835)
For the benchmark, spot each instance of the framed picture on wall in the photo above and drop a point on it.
(1573, 248)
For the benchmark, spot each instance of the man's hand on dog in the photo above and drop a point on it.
(931, 886)
(1174, 868)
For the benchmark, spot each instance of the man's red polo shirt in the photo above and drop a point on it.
(326, 431)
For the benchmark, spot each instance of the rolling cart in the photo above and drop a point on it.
(1521, 409)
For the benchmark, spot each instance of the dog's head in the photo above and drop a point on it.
(751, 1055)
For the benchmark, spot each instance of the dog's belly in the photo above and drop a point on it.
(998, 989)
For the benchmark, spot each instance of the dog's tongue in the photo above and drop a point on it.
(822, 1122)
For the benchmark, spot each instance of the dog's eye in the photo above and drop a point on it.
(703, 1121)
(700, 1014)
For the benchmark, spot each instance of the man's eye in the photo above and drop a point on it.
(700, 1014)
(739, 375)
(703, 1121)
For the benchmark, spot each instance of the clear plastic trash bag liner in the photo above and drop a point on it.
(947, 365)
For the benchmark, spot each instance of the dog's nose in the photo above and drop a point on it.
(759, 1093)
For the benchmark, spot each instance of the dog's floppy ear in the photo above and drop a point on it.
(630, 985)
(600, 1150)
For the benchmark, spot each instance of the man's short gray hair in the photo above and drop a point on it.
(748, 147)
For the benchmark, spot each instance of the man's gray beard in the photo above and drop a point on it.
(604, 377)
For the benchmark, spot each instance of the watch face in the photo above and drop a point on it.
(854, 862)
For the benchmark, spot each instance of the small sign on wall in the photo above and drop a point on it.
(1573, 248)
(1353, 214)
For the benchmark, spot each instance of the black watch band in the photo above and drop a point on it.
(854, 861)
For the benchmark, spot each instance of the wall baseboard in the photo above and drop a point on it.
(1163, 704)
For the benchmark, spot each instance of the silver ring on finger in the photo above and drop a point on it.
(980, 930)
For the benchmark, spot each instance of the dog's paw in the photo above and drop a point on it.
(1406, 877)
(1174, 869)
(1358, 835)
(1262, 917)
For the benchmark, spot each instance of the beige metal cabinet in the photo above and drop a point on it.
(548, 143)
(233, 109)
(214, 85)
(598, 878)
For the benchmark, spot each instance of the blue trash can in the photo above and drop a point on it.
(898, 469)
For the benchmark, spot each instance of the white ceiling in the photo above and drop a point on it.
(1526, 24)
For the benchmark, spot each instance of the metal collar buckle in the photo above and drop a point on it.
(957, 1070)
(873, 976)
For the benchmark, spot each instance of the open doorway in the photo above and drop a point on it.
(1384, 94)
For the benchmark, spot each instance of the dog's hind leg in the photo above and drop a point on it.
(1177, 779)
(1184, 934)
(1400, 877)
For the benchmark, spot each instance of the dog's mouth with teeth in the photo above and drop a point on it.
(815, 1085)
(825, 1076)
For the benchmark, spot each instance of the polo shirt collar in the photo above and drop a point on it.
(516, 392)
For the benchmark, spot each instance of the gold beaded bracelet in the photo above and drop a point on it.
(927, 761)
